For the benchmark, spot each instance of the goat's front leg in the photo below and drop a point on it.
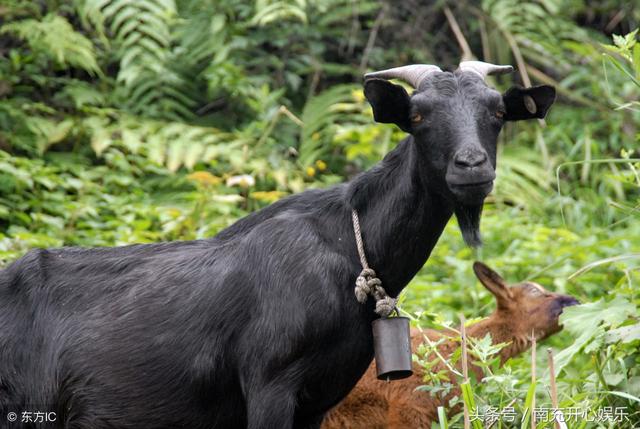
(271, 406)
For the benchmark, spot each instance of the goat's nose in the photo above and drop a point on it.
(568, 301)
(470, 158)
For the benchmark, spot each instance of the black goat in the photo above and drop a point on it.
(257, 327)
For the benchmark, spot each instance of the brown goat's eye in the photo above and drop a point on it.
(416, 117)
(499, 114)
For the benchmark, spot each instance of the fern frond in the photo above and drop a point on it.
(54, 37)
(319, 117)
(522, 180)
(141, 31)
(271, 11)
(169, 144)
(537, 27)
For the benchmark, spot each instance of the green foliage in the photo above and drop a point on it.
(628, 48)
(321, 116)
(590, 322)
(148, 79)
(170, 144)
(54, 38)
(272, 11)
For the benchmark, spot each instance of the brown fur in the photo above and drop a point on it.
(521, 309)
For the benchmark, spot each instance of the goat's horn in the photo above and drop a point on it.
(413, 74)
(483, 69)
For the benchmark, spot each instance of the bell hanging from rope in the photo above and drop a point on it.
(392, 348)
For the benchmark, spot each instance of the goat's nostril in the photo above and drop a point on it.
(470, 159)
(461, 163)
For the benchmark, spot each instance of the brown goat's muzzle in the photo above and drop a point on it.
(561, 302)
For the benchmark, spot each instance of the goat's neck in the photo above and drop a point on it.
(501, 332)
(401, 219)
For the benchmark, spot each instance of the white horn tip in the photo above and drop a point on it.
(483, 69)
(504, 69)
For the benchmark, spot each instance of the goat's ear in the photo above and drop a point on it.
(494, 283)
(390, 102)
(528, 103)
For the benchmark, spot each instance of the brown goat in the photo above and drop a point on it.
(521, 309)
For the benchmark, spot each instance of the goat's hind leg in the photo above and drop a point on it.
(271, 406)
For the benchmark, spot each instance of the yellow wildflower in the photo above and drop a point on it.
(267, 196)
(321, 165)
(204, 178)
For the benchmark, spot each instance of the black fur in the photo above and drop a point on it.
(257, 327)
(390, 103)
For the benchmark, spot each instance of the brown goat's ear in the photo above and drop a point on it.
(494, 283)
(390, 102)
(528, 103)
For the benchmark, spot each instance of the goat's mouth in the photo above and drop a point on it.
(470, 186)
(562, 302)
(463, 185)
(470, 193)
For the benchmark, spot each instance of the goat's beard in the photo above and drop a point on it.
(469, 221)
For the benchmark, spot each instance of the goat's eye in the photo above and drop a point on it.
(416, 117)
(499, 114)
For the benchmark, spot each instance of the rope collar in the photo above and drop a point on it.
(367, 283)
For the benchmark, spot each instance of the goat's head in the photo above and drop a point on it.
(455, 119)
(524, 307)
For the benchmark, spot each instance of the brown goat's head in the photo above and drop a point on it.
(524, 307)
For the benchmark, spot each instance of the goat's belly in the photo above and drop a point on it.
(138, 390)
(113, 368)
